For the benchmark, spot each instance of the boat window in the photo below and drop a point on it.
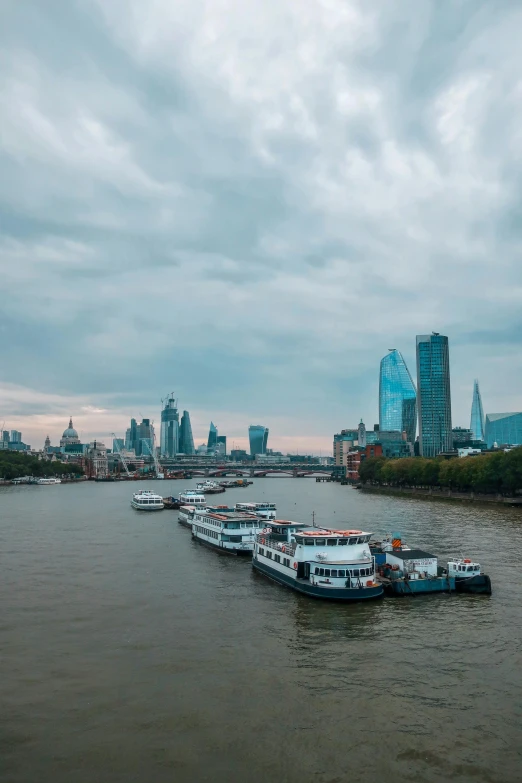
(316, 571)
(341, 573)
(331, 542)
(235, 539)
(352, 541)
(356, 572)
(334, 572)
(261, 550)
(343, 542)
(327, 572)
(309, 542)
(470, 568)
(320, 542)
(361, 540)
(321, 572)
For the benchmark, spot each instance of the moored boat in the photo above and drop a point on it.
(228, 530)
(468, 576)
(336, 565)
(48, 481)
(262, 510)
(145, 500)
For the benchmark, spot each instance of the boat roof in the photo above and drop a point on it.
(283, 522)
(323, 532)
(232, 516)
(410, 554)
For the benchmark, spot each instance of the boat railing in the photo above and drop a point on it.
(285, 547)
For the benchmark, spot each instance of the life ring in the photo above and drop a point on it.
(466, 560)
(295, 566)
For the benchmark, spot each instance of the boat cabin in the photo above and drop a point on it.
(264, 510)
(463, 568)
(413, 561)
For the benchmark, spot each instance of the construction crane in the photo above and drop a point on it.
(157, 466)
(120, 455)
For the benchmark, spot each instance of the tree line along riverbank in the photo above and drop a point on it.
(498, 473)
(15, 464)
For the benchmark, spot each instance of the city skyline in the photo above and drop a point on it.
(397, 396)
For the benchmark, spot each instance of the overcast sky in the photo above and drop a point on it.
(248, 203)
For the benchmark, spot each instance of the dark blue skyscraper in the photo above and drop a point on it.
(212, 437)
(258, 436)
(433, 394)
(397, 396)
(477, 414)
(186, 440)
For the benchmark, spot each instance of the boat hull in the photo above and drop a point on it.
(438, 584)
(222, 549)
(479, 585)
(314, 591)
(146, 508)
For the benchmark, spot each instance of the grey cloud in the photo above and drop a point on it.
(256, 214)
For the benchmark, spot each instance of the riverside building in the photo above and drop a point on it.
(258, 437)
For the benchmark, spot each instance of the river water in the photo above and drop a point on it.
(130, 653)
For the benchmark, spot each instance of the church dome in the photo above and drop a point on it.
(70, 432)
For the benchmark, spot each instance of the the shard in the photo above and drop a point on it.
(397, 396)
(477, 414)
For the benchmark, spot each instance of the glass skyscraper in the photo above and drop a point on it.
(477, 414)
(258, 437)
(212, 437)
(397, 396)
(504, 429)
(169, 436)
(433, 394)
(186, 441)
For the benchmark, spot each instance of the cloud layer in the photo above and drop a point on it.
(250, 203)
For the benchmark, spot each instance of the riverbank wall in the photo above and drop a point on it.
(443, 495)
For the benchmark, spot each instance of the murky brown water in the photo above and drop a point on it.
(131, 654)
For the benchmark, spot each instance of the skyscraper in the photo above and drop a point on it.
(477, 414)
(144, 438)
(169, 435)
(258, 437)
(397, 396)
(186, 441)
(222, 444)
(212, 437)
(504, 429)
(433, 394)
(131, 437)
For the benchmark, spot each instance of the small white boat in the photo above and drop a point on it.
(145, 500)
(45, 481)
(468, 576)
(192, 497)
(262, 510)
(202, 486)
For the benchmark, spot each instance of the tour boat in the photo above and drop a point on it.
(227, 530)
(192, 497)
(322, 563)
(145, 500)
(468, 576)
(263, 510)
(45, 481)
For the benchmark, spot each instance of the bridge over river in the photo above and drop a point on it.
(301, 470)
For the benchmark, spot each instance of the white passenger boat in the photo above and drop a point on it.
(50, 481)
(229, 531)
(145, 500)
(203, 485)
(192, 497)
(468, 576)
(322, 563)
(263, 510)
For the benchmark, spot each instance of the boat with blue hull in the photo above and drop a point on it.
(339, 567)
(469, 577)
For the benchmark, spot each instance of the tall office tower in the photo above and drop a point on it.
(222, 444)
(212, 437)
(131, 437)
(433, 394)
(169, 435)
(258, 437)
(477, 414)
(16, 437)
(397, 396)
(186, 441)
(144, 438)
(118, 444)
(5, 436)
